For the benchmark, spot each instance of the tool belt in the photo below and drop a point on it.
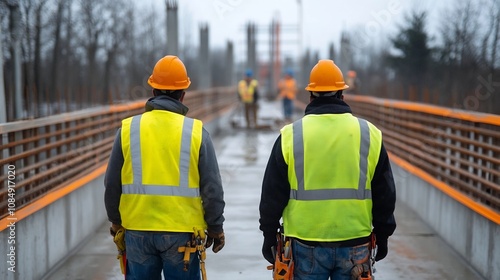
(119, 239)
(195, 245)
(365, 270)
(283, 265)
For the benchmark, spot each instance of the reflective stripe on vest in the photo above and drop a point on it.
(327, 194)
(137, 186)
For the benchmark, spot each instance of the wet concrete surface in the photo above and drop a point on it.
(415, 251)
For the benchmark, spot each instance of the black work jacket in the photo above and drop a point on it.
(276, 188)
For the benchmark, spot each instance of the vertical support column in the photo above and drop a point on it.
(172, 28)
(229, 69)
(277, 56)
(251, 48)
(204, 76)
(345, 53)
(331, 52)
(271, 87)
(306, 65)
(315, 58)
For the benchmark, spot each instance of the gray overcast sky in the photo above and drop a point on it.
(322, 20)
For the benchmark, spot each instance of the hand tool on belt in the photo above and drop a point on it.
(195, 245)
(365, 270)
(283, 265)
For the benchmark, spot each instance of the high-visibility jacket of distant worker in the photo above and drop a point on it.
(288, 88)
(330, 175)
(246, 90)
(161, 152)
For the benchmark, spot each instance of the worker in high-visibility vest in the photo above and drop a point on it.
(248, 95)
(163, 182)
(287, 90)
(330, 179)
(353, 82)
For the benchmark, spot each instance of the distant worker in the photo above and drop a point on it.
(163, 185)
(248, 95)
(353, 82)
(287, 90)
(330, 179)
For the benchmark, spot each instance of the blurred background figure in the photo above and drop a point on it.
(353, 82)
(248, 94)
(287, 90)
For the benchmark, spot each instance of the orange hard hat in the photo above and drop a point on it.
(169, 74)
(351, 74)
(326, 77)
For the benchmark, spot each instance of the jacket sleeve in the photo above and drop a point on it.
(211, 191)
(113, 181)
(275, 191)
(383, 197)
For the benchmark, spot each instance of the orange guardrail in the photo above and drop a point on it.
(456, 151)
(44, 159)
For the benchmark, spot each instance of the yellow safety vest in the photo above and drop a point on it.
(288, 88)
(160, 178)
(247, 91)
(331, 160)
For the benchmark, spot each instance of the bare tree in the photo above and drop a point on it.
(460, 52)
(116, 33)
(37, 64)
(93, 25)
(56, 50)
(27, 50)
(70, 63)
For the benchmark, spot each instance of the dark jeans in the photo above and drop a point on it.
(288, 108)
(322, 263)
(148, 253)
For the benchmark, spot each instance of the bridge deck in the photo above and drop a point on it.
(415, 251)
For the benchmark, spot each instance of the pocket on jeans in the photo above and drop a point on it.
(303, 257)
(135, 247)
(171, 243)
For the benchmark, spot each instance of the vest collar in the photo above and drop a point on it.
(166, 103)
(327, 105)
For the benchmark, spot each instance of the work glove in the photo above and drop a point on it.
(114, 229)
(381, 249)
(118, 233)
(267, 248)
(216, 238)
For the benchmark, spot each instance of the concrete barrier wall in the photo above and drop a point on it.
(474, 237)
(44, 238)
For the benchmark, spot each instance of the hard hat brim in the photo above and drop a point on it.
(179, 84)
(312, 87)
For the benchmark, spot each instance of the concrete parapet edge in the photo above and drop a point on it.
(45, 237)
(471, 235)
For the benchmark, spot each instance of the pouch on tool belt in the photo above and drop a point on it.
(283, 265)
(119, 240)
